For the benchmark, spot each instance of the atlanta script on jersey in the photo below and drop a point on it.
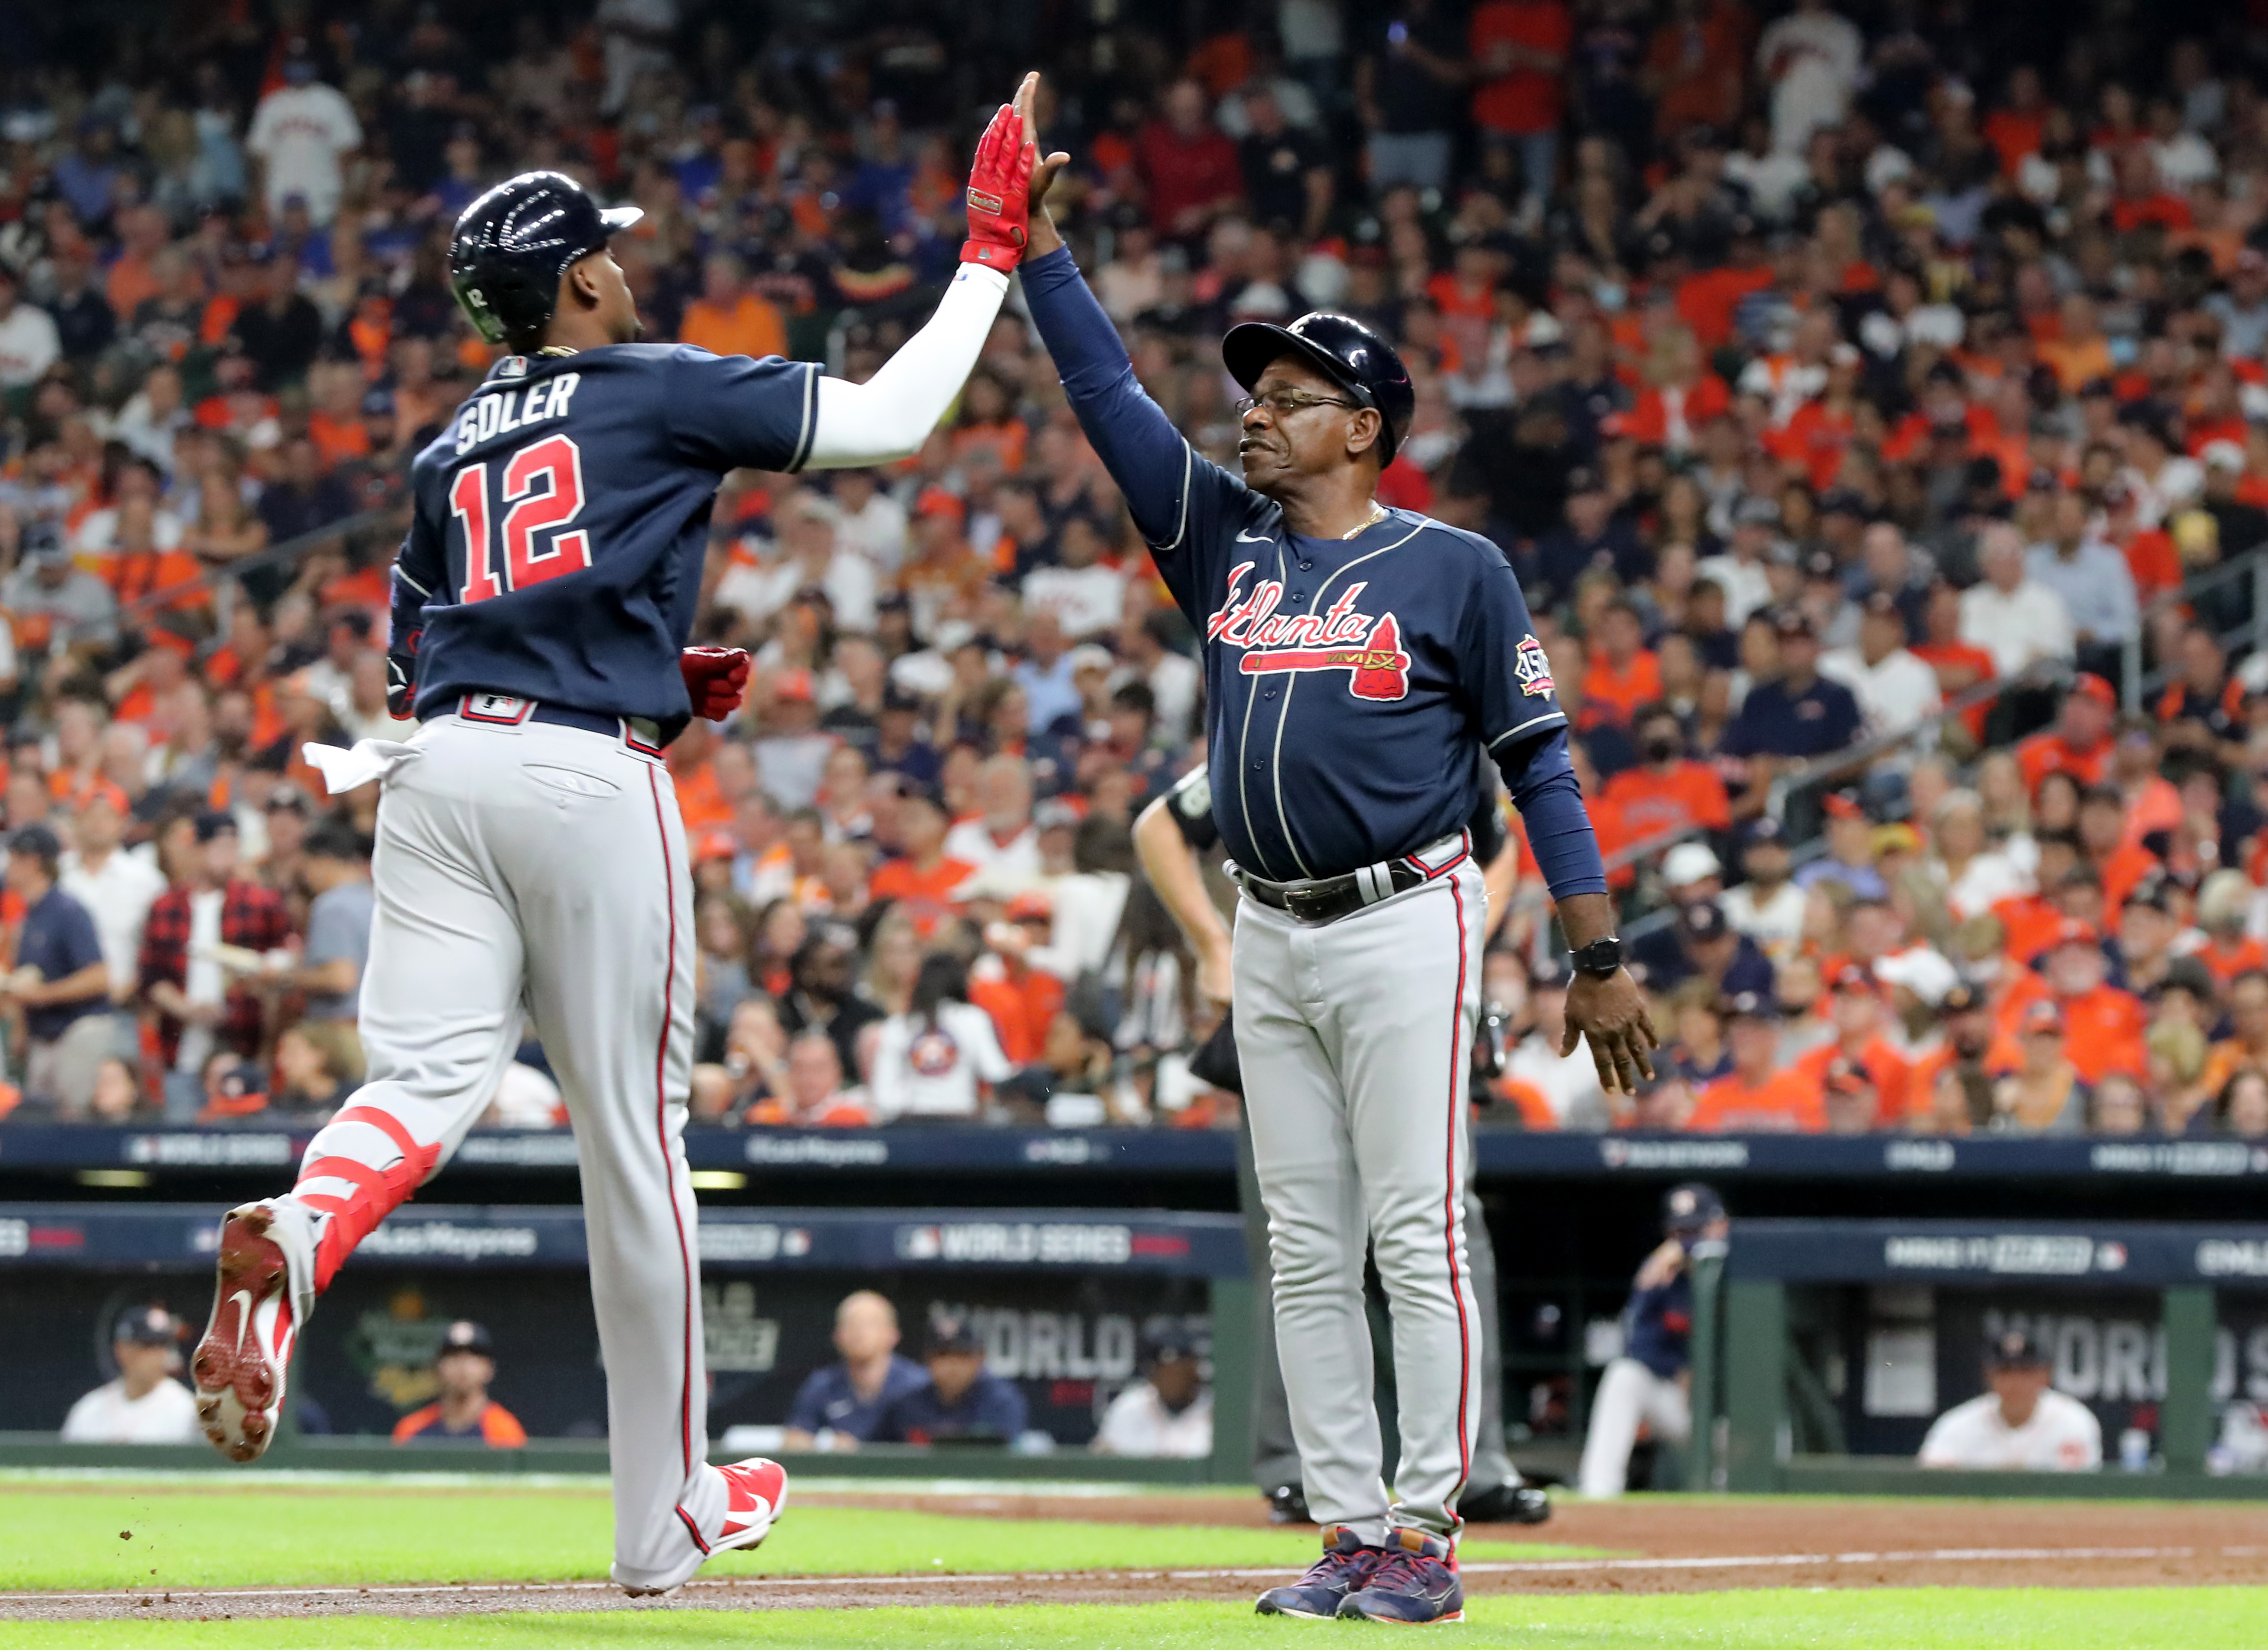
(1368, 649)
(561, 519)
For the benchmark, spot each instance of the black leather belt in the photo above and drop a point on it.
(591, 722)
(1326, 899)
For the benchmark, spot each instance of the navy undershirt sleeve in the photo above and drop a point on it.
(1542, 778)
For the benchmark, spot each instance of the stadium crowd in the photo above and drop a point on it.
(1867, 402)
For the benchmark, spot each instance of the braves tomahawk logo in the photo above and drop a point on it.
(1339, 639)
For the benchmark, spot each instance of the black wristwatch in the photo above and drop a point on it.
(1601, 957)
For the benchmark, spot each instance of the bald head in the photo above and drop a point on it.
(866, 1328)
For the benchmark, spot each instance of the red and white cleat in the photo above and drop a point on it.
(239, 1365)
(757, 1490)
(755, 1495)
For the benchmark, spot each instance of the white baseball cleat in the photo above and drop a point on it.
(239, 1365)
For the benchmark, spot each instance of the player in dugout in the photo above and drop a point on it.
(839, 1406)
(465, 1364)
(960, 1401)
(1649, 1384)
(2021, 1422)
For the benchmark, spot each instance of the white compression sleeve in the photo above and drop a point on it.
(889, 416)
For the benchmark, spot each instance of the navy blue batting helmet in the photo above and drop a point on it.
(1342, 348)
(513, 243)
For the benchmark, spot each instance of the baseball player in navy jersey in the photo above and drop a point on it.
(530, 851)
(1360, 663)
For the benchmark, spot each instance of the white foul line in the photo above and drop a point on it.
(943, 1578)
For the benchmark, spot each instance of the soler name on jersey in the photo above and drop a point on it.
(496, 415)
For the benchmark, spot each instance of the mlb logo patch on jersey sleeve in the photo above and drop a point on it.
(1532, 667)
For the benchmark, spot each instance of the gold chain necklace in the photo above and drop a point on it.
(1369, 521)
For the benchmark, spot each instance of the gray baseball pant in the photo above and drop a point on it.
(530, 864)
(1355, 1041)
(1275, 1452)
(1629, 1392)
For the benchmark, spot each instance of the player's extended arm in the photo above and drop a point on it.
(1171, 868)
(889, 416)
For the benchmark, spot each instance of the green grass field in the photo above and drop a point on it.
(366, 1533)
(2204, 1618)
(187, 1533)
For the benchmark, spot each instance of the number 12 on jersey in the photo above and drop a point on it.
(542, 495)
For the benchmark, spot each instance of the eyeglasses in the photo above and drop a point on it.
(1283, 402)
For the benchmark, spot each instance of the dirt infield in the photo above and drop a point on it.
(1660, 1546)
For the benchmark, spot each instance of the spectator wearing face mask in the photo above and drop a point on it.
(1668, 791)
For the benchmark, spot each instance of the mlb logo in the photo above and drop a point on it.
(503, 709)
(511, 366)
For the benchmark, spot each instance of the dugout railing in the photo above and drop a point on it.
(1754, 1378)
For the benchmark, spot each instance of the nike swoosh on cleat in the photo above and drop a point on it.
(243, 1315)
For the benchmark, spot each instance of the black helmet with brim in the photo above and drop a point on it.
(513, 243)
(1341, 347)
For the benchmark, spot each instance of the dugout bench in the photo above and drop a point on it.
(1751, 1387)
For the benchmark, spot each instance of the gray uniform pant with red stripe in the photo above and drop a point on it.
(545, 866)
(1355, 1040)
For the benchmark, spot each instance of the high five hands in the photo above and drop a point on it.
(1008, 185)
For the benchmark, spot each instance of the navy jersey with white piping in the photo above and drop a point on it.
(561, 519)
(1354, 685)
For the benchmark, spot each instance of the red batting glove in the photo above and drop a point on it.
(716, 677)
(999, 195)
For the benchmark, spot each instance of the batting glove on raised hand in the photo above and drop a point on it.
(717, 678)
(999, 195)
